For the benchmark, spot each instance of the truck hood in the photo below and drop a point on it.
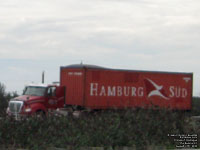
(29, 98)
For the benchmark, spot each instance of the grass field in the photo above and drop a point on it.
(138, 128)
(196, 106)
(133, 128)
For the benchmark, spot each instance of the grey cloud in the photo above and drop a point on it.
(154, 35)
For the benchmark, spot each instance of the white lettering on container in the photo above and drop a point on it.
(140, 91)
(103, 91)
(93, 89)
(111, 91)
(178, 92)
(75, 73)
(134, 91)
(119, 91)
(126, 91)
(96, 90)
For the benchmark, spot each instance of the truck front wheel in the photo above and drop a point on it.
(39, 114)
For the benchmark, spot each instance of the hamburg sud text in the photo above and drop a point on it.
(152, 89)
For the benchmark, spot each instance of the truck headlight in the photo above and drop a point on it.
(28, 110)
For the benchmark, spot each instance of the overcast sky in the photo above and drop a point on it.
(37, 35)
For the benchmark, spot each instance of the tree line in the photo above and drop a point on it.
(5, 97)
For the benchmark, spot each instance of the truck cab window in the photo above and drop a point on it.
(34, 91)
(51, 91)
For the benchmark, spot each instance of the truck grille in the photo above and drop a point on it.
(15, 106)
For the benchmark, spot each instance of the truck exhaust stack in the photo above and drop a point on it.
(43, 77)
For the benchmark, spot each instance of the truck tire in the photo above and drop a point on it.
(40, 114)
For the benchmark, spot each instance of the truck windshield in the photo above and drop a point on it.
(34, 91)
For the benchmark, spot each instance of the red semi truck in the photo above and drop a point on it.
(36, 99)
(88, 86)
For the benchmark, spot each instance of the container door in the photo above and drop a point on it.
(73, 80)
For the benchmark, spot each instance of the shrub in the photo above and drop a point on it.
(138, 128)
(3, 101)
(195, 106)
(4, 98)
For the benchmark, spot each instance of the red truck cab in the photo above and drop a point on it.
(36, 99)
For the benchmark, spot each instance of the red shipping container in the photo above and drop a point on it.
(96, 87)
